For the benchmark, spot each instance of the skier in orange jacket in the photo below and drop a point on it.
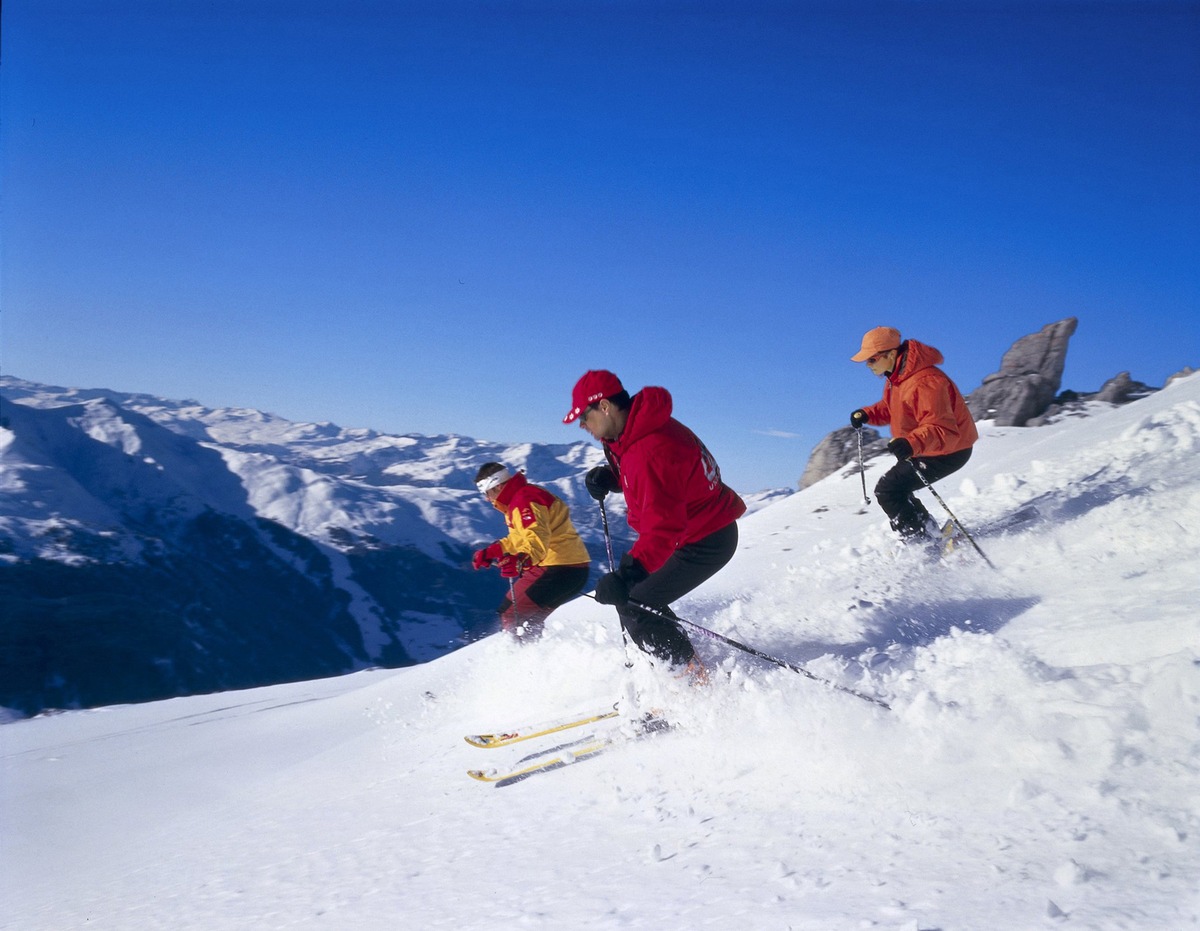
(932, 429)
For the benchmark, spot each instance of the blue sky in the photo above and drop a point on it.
(433, 217)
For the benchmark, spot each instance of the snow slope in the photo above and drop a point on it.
(1040, 767)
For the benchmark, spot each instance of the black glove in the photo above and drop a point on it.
(612, 590)
(631, 570)
(600, 481)
(900, 448)
(858, 419)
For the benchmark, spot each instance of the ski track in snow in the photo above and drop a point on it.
(1040, 769)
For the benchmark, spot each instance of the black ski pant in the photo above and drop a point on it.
(539, 591)
(687, 568)
(895, 489)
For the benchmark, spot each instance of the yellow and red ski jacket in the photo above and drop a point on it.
(539, 524)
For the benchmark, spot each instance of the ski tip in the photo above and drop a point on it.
(489, 740)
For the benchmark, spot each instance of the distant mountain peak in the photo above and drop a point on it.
(192, 513)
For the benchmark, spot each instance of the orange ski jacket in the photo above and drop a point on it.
(922, 405)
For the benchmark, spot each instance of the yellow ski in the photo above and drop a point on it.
(507, 738)
(540, 765)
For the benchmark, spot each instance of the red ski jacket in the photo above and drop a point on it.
(673, 489)
(922, 404)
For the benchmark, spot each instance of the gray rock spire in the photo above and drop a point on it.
(1029, 377)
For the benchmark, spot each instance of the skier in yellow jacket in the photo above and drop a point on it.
(543, 554)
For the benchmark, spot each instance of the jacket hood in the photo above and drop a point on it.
(651, 408)
(916, 357)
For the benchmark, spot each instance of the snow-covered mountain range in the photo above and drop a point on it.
(151, 547)
(1039, 767)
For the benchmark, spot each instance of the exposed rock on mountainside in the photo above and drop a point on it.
(1120, 389)
(838, 448)
(1029, 377)
(1182, 373)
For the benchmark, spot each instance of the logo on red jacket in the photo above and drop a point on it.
(711, 470)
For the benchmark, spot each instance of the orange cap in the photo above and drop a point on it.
(878, 340)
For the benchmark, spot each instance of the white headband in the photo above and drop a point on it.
(488, 482)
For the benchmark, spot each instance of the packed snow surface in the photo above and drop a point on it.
(1039, 767)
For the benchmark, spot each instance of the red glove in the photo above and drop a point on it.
(512, 566)
(486, 556)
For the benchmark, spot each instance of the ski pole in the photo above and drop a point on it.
(862, 468)
(612, 567)
(512, 596)
(765, 656)
(649, 609)
(957, 522)
(612, 563)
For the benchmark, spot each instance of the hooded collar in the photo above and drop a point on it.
(509, 491)
(914, 357)
(650, 409)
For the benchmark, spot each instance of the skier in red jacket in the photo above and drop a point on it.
(683, 514)
(930, 423)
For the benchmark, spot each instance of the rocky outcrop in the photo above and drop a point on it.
(1029, 377)
(1120, 389)
(1182, 373)
(837, 449)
